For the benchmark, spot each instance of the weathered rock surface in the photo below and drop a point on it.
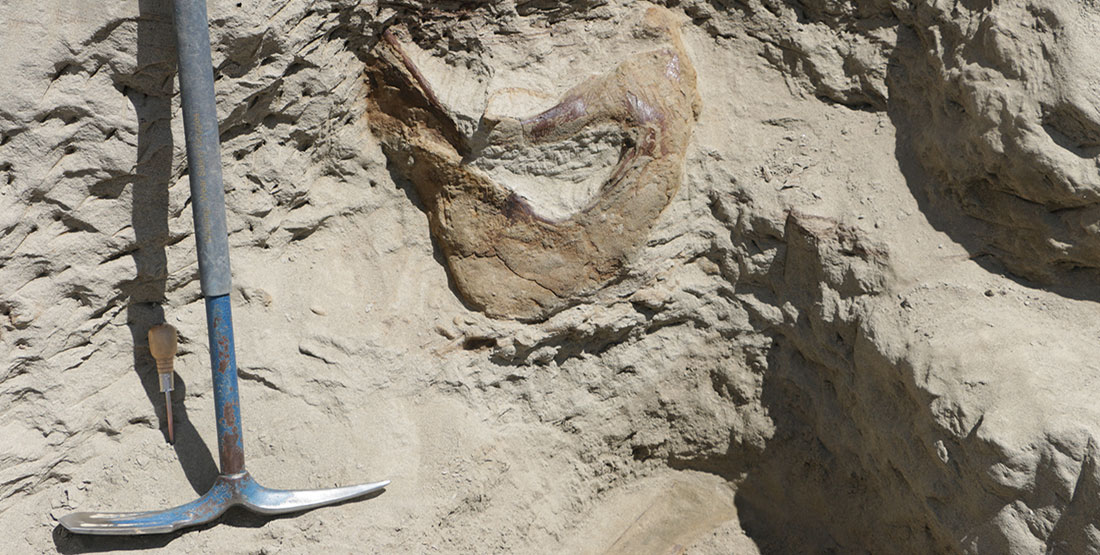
(816, 346)
(1012, 128)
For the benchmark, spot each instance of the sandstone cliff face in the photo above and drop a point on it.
(826, 340)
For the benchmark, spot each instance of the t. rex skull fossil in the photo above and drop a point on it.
(505, 256)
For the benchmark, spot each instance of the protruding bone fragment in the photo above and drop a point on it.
(504, 256)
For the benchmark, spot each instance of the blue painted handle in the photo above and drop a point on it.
(200, 125)
(223, 366)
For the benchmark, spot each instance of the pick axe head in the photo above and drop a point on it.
(228, 491)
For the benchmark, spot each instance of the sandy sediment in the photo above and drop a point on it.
(865, 321)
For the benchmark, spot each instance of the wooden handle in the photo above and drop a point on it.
(162, 344)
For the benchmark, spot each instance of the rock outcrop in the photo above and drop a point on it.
(818, 333)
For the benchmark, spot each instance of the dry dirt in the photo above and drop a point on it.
(866, 321)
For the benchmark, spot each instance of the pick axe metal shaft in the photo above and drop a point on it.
(234, 485)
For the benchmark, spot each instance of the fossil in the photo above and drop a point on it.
(505, 257)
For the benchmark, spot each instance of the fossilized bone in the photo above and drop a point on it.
(504, 257)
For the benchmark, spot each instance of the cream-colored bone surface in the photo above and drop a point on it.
(506, 256)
